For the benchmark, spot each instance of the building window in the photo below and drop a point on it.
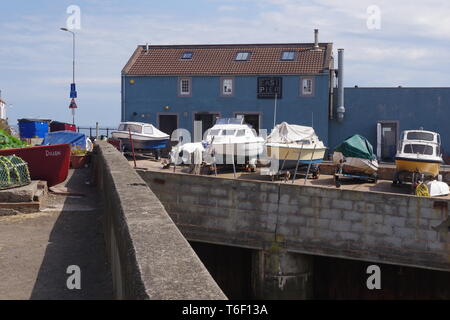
(306, 86)
(187, 55)
(242, 56)
(227, 87)
(185, 87)
(288, 55)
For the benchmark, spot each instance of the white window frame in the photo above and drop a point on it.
(182, 93)
(222, 87)
(307, 93)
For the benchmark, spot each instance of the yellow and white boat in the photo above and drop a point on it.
(293, 145)
(419, 154)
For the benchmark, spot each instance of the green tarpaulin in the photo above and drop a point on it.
(356, 146)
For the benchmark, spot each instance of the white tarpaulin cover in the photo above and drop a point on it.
(184, 153)
(290, 133)
(437, 188)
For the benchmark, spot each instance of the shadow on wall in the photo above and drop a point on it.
(231, 268)
(346, 279)
(76, 239)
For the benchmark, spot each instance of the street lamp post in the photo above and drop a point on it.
(73, 93)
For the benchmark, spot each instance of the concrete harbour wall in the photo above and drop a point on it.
(369, 226)
(150, 258)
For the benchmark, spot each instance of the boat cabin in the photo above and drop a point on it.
(420, 142)
(230, 127)
(136, 127)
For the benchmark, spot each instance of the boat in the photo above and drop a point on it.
(143, 135)
(48, 162)
(355, 156)
(294, 146)
(418, 155)
(230, 139)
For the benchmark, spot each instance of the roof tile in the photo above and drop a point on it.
(220, 60)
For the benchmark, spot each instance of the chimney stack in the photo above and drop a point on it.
(316, 39)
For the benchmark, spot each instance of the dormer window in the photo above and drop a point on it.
(242, 56)
(288, 55)
(187, 55)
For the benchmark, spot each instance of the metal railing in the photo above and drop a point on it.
(96, 131)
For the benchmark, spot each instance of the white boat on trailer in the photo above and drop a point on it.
(145, 136)
(230, 141)
(295, 146)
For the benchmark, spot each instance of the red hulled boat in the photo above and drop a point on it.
(49, 163)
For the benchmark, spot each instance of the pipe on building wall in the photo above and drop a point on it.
(122, 116)
(331, 95)
(340, 111)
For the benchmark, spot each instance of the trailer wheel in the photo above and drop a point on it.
(316, 173)
(375, 178)
(337, 182)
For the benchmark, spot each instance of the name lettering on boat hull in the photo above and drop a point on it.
(52, 153)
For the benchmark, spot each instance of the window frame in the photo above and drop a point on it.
(313, 87)
(288, 51)
(222, 80)
(190, 53)
(243, 52)
(180, 81)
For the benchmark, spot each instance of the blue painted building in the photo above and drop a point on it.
(380, 114)
(173, 86)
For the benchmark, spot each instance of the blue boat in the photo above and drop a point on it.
(145, 136)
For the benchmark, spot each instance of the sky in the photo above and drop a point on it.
(387, 43)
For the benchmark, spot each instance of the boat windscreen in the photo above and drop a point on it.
(229, 121)
(416, 135)
(132, 127)
(418, 148)
(214, 132)
(148, 130)
(228, 132)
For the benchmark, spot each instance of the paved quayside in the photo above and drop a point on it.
(37, 248)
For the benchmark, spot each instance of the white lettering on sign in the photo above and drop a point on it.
(52, 153)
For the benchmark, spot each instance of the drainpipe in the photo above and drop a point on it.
(122, 116)
(340, 109)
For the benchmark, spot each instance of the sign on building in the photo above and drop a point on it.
(268, 87)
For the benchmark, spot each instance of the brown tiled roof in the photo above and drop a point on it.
(220, 60)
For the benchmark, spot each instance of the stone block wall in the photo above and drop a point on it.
(369, 226)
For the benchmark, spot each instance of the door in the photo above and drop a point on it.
(207, 120)
(168, 123)
(251, 119)
(387, 139)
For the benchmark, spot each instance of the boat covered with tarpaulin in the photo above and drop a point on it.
(355, 155)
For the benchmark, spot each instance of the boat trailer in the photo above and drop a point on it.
(416, 179)
(340, 174)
